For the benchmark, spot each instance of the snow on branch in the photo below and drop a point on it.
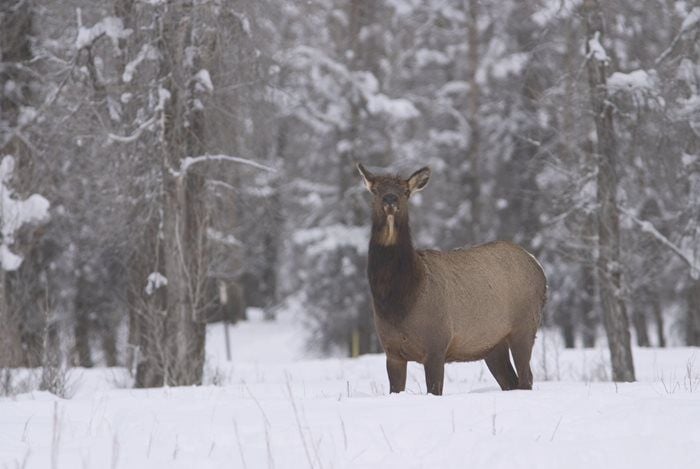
(218, 236)
(692, 20)
(203, 81)
(596, 49)
(190, 161)
(135, 135)
(364, 82)
(648, 227)
(637, 80)
(9, 261)
(16, 212)
(163, 96)
(110, 26)
(147, 52)
(399, 108)
(154, 281)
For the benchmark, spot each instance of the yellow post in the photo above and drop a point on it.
(355, 344)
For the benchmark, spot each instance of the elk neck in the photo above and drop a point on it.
(392, 268)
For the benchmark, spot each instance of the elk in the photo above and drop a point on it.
(435, 307)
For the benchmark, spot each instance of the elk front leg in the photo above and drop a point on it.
(396, 369)
(434, 375)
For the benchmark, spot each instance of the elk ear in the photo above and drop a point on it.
(367, 177)
(418, 180)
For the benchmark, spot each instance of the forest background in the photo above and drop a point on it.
(170, 163)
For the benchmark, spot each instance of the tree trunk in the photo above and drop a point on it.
(640, 327)
(185, 330)
(109, 346)
(572, 152)
(145, 358)
(658, 321)
(361, 15)
(692, 327)
(184, 213)
(170, 323)
(587, 304)
(81, 321)
(608, 262)
(81, 330)
(269, 273)
(471, 176)
(16, 32)
(567, 330)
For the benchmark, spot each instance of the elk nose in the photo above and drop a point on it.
(390, 199)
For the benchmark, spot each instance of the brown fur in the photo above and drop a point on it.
(435, 307)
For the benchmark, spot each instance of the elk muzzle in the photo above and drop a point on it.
(390, 203)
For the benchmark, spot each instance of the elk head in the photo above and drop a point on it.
(390, 201)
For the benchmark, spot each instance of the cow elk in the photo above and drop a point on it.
(435, 307)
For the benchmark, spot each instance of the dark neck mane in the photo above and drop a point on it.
(393, 271)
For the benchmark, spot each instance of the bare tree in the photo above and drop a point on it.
(21, 288)
(608, 264)
(472, 177)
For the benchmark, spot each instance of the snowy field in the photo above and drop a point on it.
(272, 407)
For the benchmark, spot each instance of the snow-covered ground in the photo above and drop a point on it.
(272, 407)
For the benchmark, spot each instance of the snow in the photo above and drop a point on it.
(512, 64)
(8, 260)
(154, 282)
(135, 134)
(245, 24)
(430, 58)
(27, 114)
(110, 26)
(344, 146)
(188, 162)
(596, 49)
(276, 407)
(554, 9)
(203, 80)
(218, 236)
(163, 96)
(14, 213)
(115, 109)
(404, 7)
(378, 103)
(454, 87)
(691, 20)
(688, 160)
(400, 108)
(146, 52)
(636, 80)
(449, 138)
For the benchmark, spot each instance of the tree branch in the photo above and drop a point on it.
(688, 25)
(135, 135)
(190, 161)
(648, 227)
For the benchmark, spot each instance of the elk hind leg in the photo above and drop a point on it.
(521, 347)
(498, 362)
